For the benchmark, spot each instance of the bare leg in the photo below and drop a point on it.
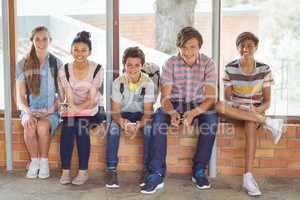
(238, 114)
(250, 148)
(44, 139)
(31, 141)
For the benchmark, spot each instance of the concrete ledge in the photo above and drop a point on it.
(282, 159)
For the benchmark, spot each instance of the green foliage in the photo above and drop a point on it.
(286, 20)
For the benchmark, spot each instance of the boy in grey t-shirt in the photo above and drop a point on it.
(132, 107)
(131, 97)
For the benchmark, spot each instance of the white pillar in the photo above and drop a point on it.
(216, 21)
(7, 86)
(109, 55)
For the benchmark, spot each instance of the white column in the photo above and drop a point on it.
(109, 55)
(7, 86)
(216, 16)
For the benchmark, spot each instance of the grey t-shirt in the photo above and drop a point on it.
(133, 101)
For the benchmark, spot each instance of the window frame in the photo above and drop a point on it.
(115, 57)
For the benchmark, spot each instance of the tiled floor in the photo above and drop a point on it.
(14, 186)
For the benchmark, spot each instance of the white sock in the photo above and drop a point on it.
(35, 160)
(44, 160)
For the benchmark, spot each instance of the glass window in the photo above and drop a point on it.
(64, 19)
(138, 28)
(279, 34)
(146, 25)
(203, 22)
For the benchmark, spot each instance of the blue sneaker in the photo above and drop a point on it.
(154, 182)
(200, 180)
(144, 176)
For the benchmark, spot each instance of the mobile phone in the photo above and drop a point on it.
(131, 123)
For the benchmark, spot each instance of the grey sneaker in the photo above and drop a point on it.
(80, 179)
(112, 179)
(250, 185)
(275, 126)
(44, 168)
(33, 168)
(64, 180)
(143, 179)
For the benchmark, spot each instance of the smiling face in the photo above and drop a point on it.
(41, 41)
(133, 68)
(190, 51)
(80, 52)
(247, 49)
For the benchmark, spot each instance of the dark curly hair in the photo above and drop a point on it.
(83, 37)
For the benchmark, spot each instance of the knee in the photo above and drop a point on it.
(220, 107)
(147, 130)
(114, 129)
(102, 115)
(160, 116)
(30, 133)
(43, 129)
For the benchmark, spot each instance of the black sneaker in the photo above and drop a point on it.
(112, 179)
(143, 178)
(200, 180)
(154, 182)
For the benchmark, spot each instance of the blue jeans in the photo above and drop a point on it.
(207, 123)
(113, 139)
(78, 127)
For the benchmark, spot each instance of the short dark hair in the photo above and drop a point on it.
(186, 34)
(133, 52)
(83, 37)
(246, 36)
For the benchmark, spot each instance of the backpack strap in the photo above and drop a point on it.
(27, 92)
(96, 70)
(54, 70)
(158, 79)
(94, 75)
(150, 74)
(122, 88)
(67, 72)
(22, 62)
(143, 91)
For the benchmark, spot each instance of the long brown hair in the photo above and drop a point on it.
(32, 65)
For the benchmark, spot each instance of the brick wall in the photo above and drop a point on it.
(282, 159)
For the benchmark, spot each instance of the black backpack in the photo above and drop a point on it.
(153, 72)
(54, 71)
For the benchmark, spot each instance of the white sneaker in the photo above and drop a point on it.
(275, 126)
(250, 185)
(33, 168)
(44, 168)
